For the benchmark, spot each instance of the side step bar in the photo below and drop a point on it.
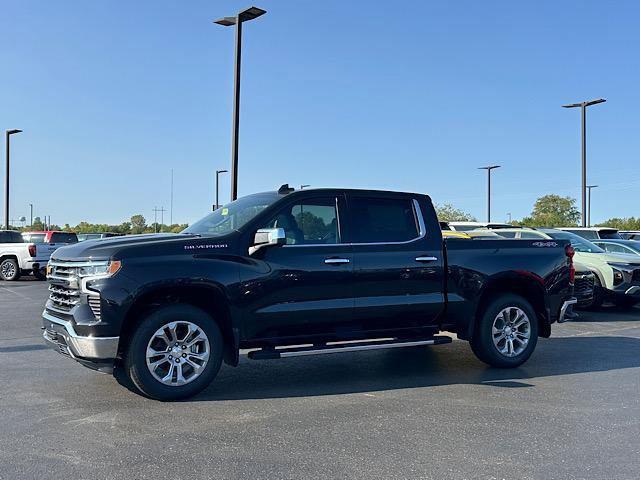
(272, 353)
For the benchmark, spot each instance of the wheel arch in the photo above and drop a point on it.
(528, 288)
(210, 298)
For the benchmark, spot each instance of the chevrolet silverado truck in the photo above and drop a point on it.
(18, 258)
(290, 273)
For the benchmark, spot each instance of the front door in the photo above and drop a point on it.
(305, 287)
(398, 265)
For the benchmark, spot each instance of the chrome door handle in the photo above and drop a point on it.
(426, 259)
(336, 261)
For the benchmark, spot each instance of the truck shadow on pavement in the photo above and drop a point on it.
(383, 370)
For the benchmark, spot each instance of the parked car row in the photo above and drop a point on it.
(28, 253)
(613, 261)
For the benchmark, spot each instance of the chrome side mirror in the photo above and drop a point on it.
(267, 237)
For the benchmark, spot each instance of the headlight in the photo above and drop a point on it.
(100, 269)
(618, 277)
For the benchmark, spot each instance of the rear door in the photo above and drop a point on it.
(398, 264)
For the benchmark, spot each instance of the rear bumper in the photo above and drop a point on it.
(565, 307)
(94, 352)
(35, 264)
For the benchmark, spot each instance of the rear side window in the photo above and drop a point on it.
(530, 235)
(10, 237)
(610, 235)
(588, 234)
(34, 238)
(60, 237)
(377, 220)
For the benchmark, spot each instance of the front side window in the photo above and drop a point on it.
(382, 220)
(311, 222)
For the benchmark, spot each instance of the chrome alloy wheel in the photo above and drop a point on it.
(177, 353)
(8, 269)
(511, 331)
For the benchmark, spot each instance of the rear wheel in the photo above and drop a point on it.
(507, 332)
(626, 302)
(9, 270)
(174, 353)
(39, 275)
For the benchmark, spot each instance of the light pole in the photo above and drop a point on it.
(31, 214)
(589, 187)
(583, 107)
(218, 172)
(488, 168)
(241, 17)
(6, 180)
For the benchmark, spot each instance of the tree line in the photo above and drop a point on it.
(548, 211)
(137, 224)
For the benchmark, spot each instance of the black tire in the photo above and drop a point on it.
(626, 303)
(39, 275)
(135, 362)
(482, 342)
(9, 270)
(598, 295)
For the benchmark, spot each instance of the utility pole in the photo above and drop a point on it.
(488, 168)
(155, 217)
(6, 179)
(583, 108)
(218, 172)
(589, 187)
(171, 204)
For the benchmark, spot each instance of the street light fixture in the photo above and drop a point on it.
(218, 172)
(6, 180)
(241, 17)
(583, 107)
(488, 168)
(303, 186)
(589, 187)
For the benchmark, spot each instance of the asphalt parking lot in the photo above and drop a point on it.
(573, 411)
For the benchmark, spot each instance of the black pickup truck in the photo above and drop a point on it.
(290, 273)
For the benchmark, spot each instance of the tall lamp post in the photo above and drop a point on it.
(488, 168)
(583, 107)
(589, 187)
(6, 180)
(31, 214)
(241, 17)
(218, 172)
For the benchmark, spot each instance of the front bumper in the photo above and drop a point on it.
(565, 307)
(94, 352)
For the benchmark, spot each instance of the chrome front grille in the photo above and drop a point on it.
(584, 284)
(63, 297)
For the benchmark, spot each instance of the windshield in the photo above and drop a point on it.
(578, 243)
(233, 215)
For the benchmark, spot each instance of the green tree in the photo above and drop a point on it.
(630, 223)
(553, 211)
(138, 224)
(448, 213)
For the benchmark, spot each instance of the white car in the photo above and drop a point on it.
(617, 275)
(594, 233)
(18, 258)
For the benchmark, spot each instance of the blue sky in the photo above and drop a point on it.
(405, 95)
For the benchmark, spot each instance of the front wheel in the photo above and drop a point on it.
(507, 332)
(174, 353)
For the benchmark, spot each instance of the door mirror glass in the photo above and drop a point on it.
(266, 237)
